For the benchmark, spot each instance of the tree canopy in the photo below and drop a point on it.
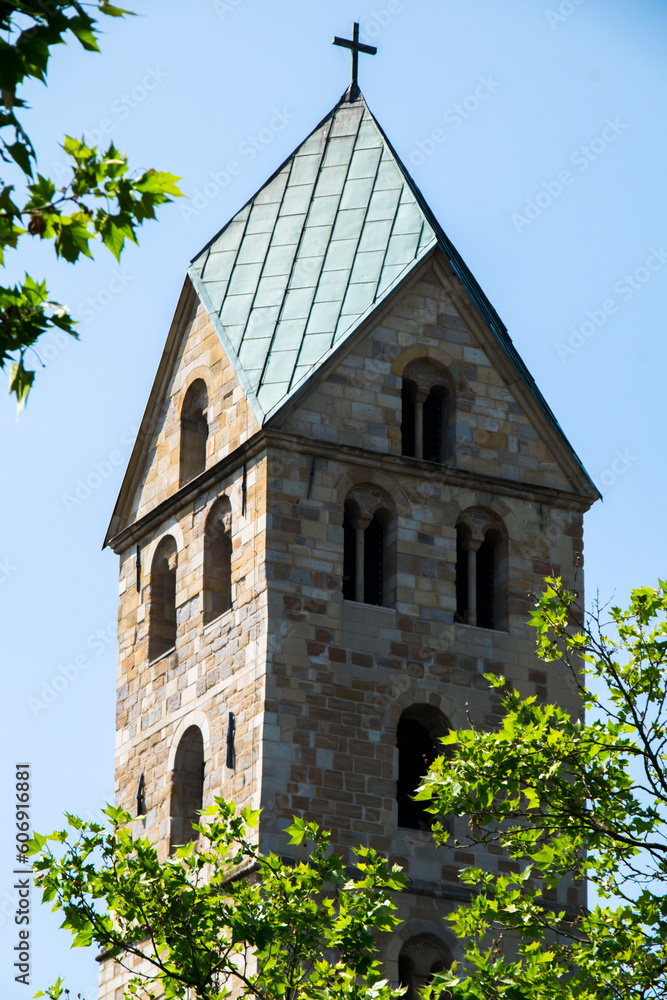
(221, 914)
(569, 800)
(100, 199)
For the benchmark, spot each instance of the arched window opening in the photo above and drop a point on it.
(434, 427)
(481, 575)
(419, 959)
(408, 406)
(486, 583)
(187, 788)
(419, 729)
(462, 545)
(218, 561)
(162, 600)
(366, 565)
(350, 518)
(194, 431)
(374, 562)
(427, 413)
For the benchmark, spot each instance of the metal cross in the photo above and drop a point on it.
(356, 47)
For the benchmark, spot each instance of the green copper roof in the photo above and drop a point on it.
(317, 247)
(306, 260)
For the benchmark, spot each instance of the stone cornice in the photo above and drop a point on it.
(390, 464)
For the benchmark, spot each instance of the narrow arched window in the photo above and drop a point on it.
(374, 561)
(462, 544)
(187, 788)
(162, 600)
(486, 584)
(194, 431)
(419, 959)
(218, 561)
(417, 734)
(481, 574)
(350, 517)
(408, 410)
(367, 566)
(427, 412)
(434, 425)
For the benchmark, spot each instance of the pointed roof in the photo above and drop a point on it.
(327, 237)
(307, 260)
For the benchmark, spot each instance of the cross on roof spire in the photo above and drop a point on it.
(356, 47)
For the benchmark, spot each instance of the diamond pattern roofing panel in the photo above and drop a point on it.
(293, 273)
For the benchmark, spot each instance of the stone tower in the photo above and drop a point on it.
(345, 487)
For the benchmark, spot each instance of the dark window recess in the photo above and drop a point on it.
(217, 571)
(162, 630)
(194, 432)
(349, 559)
(406, 975)
(433, 413)
(416, 753)
(419, 960)
(194, 435)
(485, 584)
(187, 788)
(408, 393)
(231, 746)
(461, 581)
(141, 796)
(373, 562)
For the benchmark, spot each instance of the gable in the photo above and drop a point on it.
(500, 432)
(193, 351)
(329, 247)
(321, 244)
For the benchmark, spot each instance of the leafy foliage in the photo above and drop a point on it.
(569, 800)
(99, 199)
(224, 915)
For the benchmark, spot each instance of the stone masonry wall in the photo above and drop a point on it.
(213, 669)
(340, 673)
(358, 404)
(317, 684)
(230, 419)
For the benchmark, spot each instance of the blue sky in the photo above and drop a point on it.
(536, 131)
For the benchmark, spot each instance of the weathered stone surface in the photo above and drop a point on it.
(317, 684)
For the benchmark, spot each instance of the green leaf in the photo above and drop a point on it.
(156, 182)
(20, 383)
(297, 831)
(82, 27)
(21, 153)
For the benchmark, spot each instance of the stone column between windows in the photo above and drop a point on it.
(473, 546)
(420, 398)
(362, 523)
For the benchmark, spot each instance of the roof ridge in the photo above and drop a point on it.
(334, 226)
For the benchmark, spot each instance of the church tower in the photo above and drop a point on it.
(345, 488)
